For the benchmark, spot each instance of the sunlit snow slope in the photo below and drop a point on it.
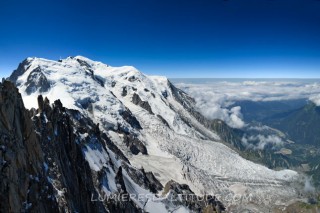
(178, 146)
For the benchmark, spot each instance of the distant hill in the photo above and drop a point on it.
(262, 110)
(301, 125)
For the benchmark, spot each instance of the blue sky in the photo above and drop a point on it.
(200, 38)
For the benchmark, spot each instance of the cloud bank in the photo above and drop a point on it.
(308, 185)
(260, 142)
(315, 99)
(214, 97)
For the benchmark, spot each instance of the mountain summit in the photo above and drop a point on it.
(156, 126)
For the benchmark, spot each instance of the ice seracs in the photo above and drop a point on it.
(179, 147)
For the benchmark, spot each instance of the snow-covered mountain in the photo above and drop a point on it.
(53, 159)
(157, 127)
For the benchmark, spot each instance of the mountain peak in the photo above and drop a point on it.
(154, 123)
(80, 58)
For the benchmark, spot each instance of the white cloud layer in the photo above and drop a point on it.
(308, 185)
(260, 142)
(315, 99)
(213, 97)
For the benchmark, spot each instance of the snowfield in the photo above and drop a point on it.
(176, 149)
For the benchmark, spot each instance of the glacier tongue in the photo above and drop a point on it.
(179, 147)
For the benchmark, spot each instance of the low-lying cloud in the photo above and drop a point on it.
(308, 185)
(260, 142)
(315, 99)
(214, 97)
(214, 107)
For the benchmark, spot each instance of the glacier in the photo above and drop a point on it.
(179, 146)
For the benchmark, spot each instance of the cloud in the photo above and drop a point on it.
(214, 97)
(259, 128)
(260, 142)
(236, 117)
(213, 106)
(308, 185)
(315, 99)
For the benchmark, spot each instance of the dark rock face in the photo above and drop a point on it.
(165, 94)
(23, 186)
(129, 207)
(85, 103)
(37, 81)
(83, 63)
(181, 194)
(132, 78)
(87, 66)
(163, 120)
(64, 159)
(145, 179)
(23, 66)
(124, 91)
(114, 148)
(129, 117)
(183, 98)
(134, 144)
(42, 161)
(228, 134)
(189, 104)
(44, 165)
(144, 104)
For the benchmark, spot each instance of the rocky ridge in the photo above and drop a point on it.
(55, 159)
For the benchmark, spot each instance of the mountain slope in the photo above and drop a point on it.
(21, 159)
(257, 111)
(155, 125)
(54, 159)
(302, 125)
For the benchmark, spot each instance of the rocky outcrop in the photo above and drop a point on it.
(43, 164)
(134, 144)
(24, 186)
(124, 91)
(225, 132)
(23, 66)
(53, 159)
(68, 171)
(143, 104)
(181, 194)
(145, 179)
(228, 134)
(188, 104)
(132, 78)
(37, 81)
(129, 117)
(164, 121)
(90, 71)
